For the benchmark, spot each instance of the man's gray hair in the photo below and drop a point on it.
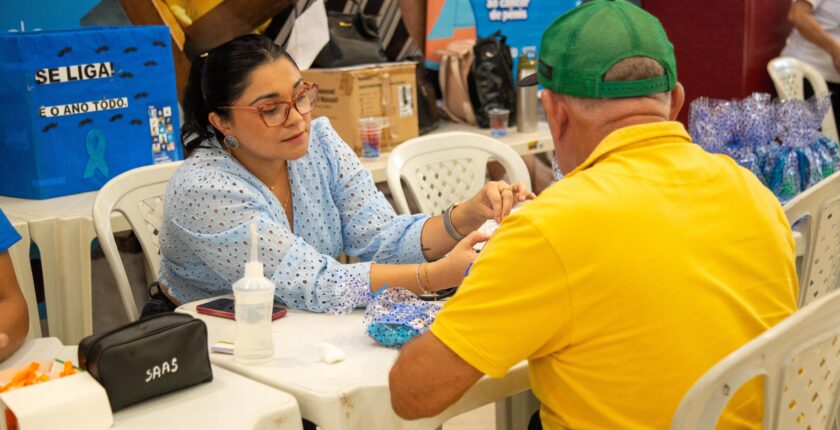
(634, 69)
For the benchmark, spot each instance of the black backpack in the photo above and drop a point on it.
(491, 79)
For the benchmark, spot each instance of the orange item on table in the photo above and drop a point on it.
(30, 376)
(68, 369)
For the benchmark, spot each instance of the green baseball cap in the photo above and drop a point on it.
(580, 46)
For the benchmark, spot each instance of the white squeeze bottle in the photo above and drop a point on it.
(254, 297)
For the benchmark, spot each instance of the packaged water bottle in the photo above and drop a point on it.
(254, 297)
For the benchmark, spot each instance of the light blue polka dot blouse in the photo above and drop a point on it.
(211, 199)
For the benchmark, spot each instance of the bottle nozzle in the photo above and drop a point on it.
(252, 233)
(253, 269)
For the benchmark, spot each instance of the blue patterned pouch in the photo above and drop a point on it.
(396, 315)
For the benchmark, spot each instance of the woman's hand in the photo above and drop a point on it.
(449, 271)
(494, 201)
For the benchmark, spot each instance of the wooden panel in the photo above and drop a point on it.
(155, 12)
(228, 20)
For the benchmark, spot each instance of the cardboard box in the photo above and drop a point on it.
(75, 402)
(380, 90)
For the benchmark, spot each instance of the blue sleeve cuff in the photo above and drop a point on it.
(411, 248)
(8, 235)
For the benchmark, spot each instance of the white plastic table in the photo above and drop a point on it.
(354, 393)
(63, 230)
(228, 402)
(523, 143)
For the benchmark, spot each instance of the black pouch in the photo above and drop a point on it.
(354, 40)
(491, 81)
(148, 357)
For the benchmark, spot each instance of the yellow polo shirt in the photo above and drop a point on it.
(626, 281)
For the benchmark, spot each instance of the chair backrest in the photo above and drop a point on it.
(445, 168)
(816, 215)
(138, 196)
(800, 361)
(19, 254)
(788, 75)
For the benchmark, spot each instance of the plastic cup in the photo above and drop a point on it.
(370, 131)
(498, 121)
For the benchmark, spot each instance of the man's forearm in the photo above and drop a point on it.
(428, 377)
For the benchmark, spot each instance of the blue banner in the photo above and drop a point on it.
(522, 21)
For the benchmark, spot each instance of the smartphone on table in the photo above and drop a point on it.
(224, 307)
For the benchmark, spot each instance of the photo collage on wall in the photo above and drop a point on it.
(164, 144)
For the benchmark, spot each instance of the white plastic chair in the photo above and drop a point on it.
(138, 196)
(19, 254)
(788, 75)
(445, 168)
(816, 215)
(800, 361)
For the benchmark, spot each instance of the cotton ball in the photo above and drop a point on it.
(330, 353)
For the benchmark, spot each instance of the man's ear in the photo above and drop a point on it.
(677, 100)
(556, 113)
(220, 123)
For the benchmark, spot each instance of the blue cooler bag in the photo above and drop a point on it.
(80, 107)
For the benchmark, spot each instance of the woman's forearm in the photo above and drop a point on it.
(430, 277)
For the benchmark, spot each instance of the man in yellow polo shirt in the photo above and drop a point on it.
(627, 280)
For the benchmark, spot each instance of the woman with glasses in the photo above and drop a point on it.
(255, 155)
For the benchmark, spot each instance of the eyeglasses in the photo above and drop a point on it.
(276, 113)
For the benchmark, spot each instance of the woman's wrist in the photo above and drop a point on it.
(439, 277)
(465, 219)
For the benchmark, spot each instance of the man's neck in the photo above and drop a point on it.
(612, 125)
(599, 133)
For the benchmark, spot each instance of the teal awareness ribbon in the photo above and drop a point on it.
(96, 154)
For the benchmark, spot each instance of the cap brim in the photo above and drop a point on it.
(529, 81)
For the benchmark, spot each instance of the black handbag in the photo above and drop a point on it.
(148, 357)
(428, 117)
(353, 40)
(491, 80)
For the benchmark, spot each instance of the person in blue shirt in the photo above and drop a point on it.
(255, 155)
(14, 319)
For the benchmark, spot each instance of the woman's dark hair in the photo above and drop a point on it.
(218, 78)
